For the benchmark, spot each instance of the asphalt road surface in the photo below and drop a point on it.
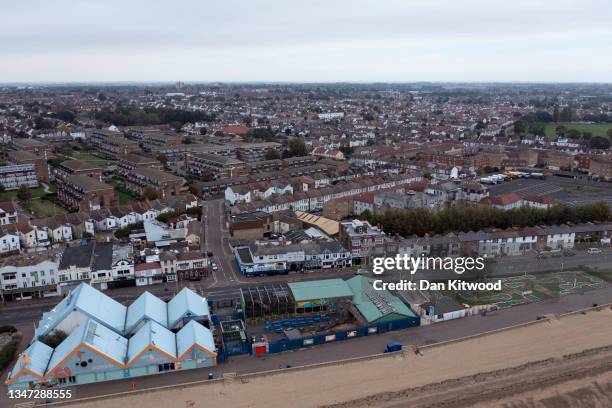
(216, 237)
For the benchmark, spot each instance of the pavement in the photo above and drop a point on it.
(560, 188)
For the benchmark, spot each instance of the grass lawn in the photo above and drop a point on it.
(125, 198)
(91, 158)
(9, 195)
(597, 129)
(43, 208)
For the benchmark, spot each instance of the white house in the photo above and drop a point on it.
(28, 277)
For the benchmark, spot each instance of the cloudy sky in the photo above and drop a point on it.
(331, 40)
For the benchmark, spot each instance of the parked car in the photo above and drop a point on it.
(214, 266)
(361, 271)
(593, 251)
(542, 255)
(567, 252)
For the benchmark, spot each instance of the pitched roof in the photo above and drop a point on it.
(89, 301)
(194, 334)
(94, 336)
(375, 305)
(34, 361)
(320, 289)
(186, 303)
(146, 307)
(151, 336)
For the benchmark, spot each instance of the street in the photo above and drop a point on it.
(213, 218)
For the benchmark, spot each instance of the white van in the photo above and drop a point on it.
(593, 251)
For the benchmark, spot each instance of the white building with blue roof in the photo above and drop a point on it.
(185, 306)
(146, 308)
(151, 350)
(97, 346)
(195, 346)
(31, 366)
(81, 304)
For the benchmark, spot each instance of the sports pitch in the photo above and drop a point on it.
(517, 290)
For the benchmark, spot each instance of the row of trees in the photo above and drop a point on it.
(130, 116)
(471, 218)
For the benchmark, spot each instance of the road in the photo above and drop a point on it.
(216, 238)
(363, 346)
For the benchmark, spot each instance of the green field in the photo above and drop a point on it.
(43, 208)
(597, 129)
(10, 195)
(125, 198)
(91, 158)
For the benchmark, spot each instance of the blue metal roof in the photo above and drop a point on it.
(35, 358)
(151, 333)
(66, 347)
(95, 335)
(89, 301)
(146, 307)
(105, 341)
(186, 303)
(194, 333)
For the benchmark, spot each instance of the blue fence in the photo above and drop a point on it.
(241, 348)
(339, 335)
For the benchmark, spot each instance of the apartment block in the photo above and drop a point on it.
(14, 176)
(217, 166)
(76, 167)
(164, 183)
(111, 144)
(86, 193)
(26, 157)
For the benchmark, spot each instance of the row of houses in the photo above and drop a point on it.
(43, 232)
(313, 200)
(276, 259)
(509, 242)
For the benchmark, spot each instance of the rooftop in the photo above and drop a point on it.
(320, 289)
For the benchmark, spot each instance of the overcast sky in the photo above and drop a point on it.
(281, 40)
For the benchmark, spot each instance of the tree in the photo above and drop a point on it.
(162, 158)
(261, 133)
(272, 154)
(297, 147)
(149, 193)
(609, 133)
(66, 151)
(54, 338)
(203, 131)
(599, 142)
(24, 194)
